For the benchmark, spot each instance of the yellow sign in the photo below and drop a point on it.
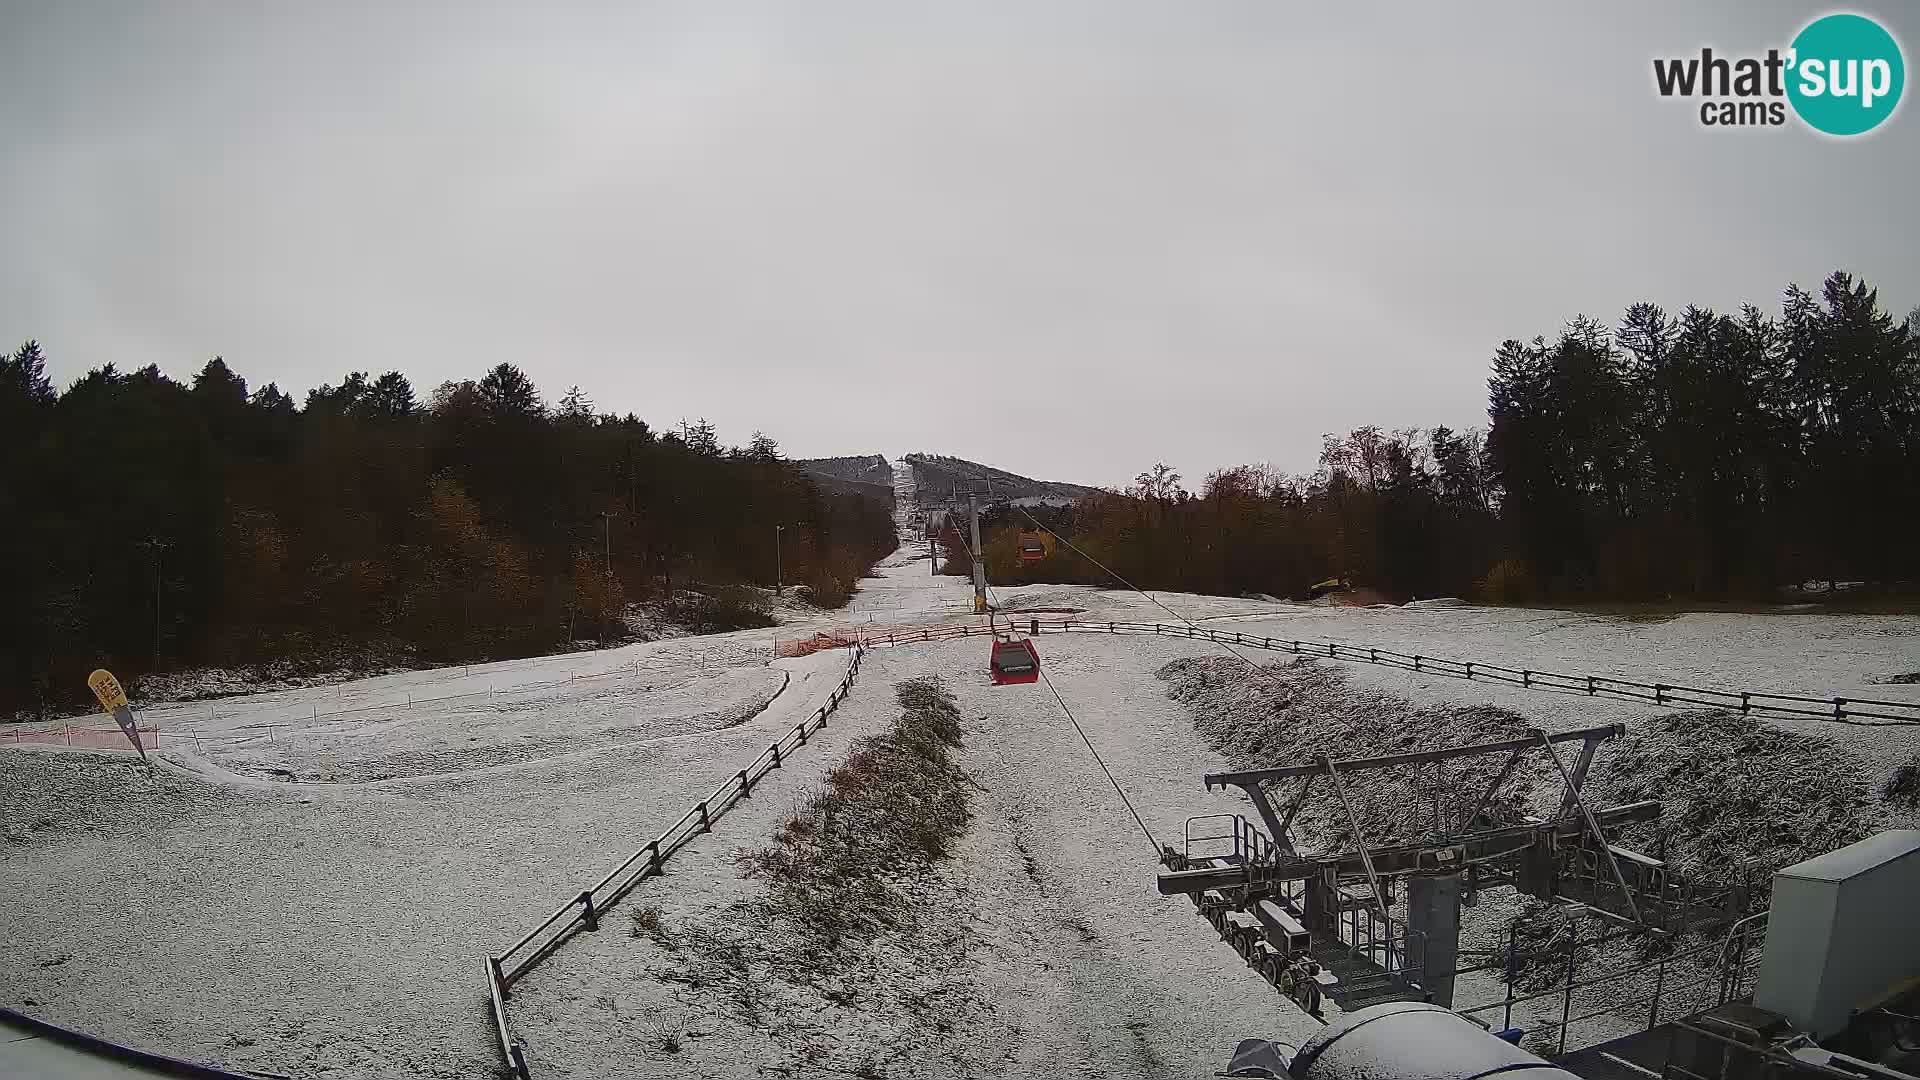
(107, 689)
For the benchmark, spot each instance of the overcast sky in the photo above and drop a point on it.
(1066, 239)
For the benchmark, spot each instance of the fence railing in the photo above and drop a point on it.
(584, 910)
(1863, 712)
(183, 719)
(1720, 967)
(96, 738)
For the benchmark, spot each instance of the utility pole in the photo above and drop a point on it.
(979, 563)
(606, 587)
(778, 580)
(157, 548)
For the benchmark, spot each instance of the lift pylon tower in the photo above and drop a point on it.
(1282, 908)
(979, 557)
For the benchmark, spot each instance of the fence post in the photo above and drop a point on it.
(1746, 701)
(1513, 931)
(1659, 693)
(1659, 985)
(706, 822)
(1526, 677)
(746, 789)
(1470, 678)
(1589, 686)
(1838, 712)
(1416, 661)
(587, 914)
(776, 754)
(499, 975)
(1566, 1005)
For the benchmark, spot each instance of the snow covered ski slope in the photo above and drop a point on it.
(306, 882)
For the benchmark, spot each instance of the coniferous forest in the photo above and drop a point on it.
(1698, 456)
(151, 524)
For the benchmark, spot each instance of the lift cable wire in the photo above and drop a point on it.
(1061, 699)
(1245, 659)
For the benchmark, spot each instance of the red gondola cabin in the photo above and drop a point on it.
(1034, 546)
(1014, 662)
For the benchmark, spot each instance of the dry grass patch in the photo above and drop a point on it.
(894, 806)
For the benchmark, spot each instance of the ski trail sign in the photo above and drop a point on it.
(113, 699)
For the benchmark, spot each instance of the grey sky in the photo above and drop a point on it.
(1203, 233)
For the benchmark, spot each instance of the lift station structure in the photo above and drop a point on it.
(1372, 926)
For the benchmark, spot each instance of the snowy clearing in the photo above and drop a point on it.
(310, 880)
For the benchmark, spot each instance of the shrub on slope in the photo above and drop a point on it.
(1291, 712)
(896, 804)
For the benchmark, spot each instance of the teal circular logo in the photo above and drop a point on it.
(1846, 74)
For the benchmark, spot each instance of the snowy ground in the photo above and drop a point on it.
(1064, 955)
(310, 880)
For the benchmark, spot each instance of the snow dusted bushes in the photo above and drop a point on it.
(1290, 712)
(1902, 789)
(1743, 798)
(1509, 581)
(895, 805)
(854, 957)
(831, 582)
(727, 607)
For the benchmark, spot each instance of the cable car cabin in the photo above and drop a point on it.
(1014, 662)
(1034, 546)
(1032, 549)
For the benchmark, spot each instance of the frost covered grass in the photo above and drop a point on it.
(1289, 713)
(851, 948)
(897, 803)
(1742, 798)
(650, 923)
(1902, 789)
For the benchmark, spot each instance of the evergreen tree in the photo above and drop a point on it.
(507, 393)
(390, 398)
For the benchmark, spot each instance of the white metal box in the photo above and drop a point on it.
(1843, 932)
